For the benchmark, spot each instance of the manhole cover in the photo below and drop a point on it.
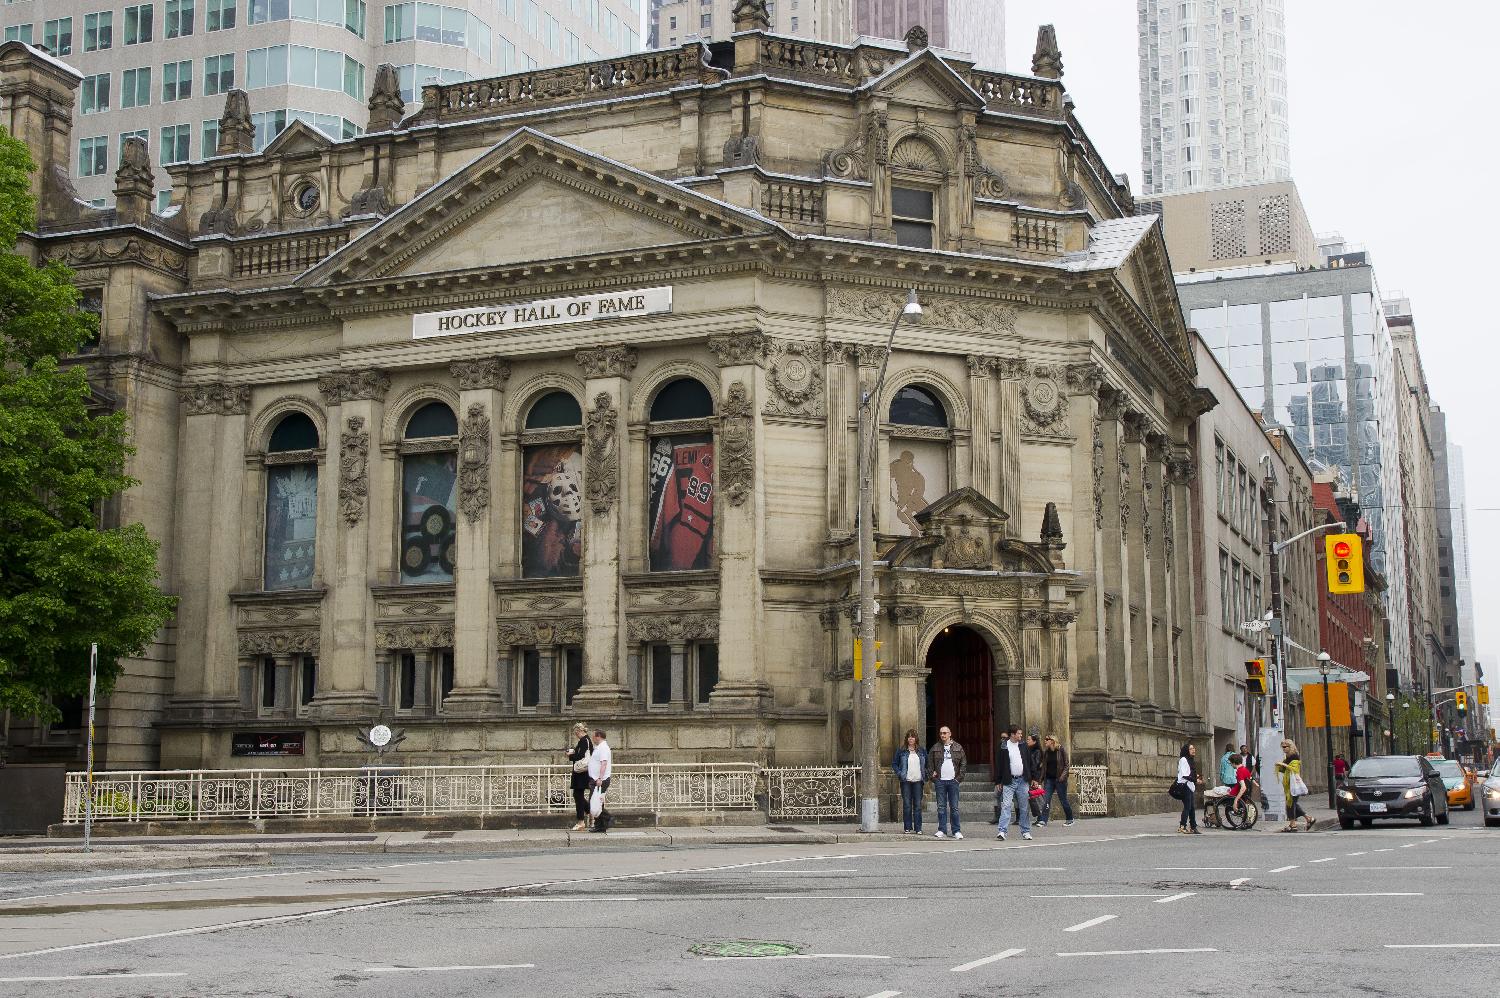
(746, 948)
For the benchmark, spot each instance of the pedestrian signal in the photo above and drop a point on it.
(1255, 676)
(1484, 695)
(1461, 701)
(859, 669)
(1346, 563)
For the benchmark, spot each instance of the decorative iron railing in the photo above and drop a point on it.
(1088, 789)
(377, 791)
(813, 792)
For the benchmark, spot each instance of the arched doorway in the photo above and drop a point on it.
(960, 687)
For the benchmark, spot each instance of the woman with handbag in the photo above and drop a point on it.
(1292, 784)
(1186, 789)
(910, 764)
(579, 783)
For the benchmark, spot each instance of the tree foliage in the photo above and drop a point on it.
(64, 582)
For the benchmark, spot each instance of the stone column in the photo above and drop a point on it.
(1113, 589)
(980, 383)
(421, 697)
(1033, 666)
(480, 383)
(506, 679)
(249, 691)
(356, 402)
(1158, 597)
(739, 529)
(1059, 692)
(679, 675)
(843, 397)
(211, 520)
(1137, 610)
(546, 679)
(606, 406)
(1177, 538)
(1007, 473)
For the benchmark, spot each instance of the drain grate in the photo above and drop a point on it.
(748, 948)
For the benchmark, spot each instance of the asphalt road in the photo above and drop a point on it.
(1395, 910)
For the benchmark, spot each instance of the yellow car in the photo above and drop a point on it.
(1458, 781)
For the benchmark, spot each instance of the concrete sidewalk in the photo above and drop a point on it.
(166, 852)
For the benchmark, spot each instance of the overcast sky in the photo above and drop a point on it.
(1393, 145)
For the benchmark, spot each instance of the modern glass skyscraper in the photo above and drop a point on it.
(1213, 94)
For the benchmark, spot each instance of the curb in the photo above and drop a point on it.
(149, 859)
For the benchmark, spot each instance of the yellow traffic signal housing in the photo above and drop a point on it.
(1484, 695)
(859, 657)
(1461, 701)
(1255, 676)
(1345, 563)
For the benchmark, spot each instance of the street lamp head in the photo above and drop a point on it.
(1390, 697)
(1323, 656)
(913, 307)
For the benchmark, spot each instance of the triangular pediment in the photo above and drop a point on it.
(963, 505)
(297, 139)
(533, 198)
(925, 79)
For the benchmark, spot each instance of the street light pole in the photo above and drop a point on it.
(1390, 720)
(869, 733)
(1324, 660)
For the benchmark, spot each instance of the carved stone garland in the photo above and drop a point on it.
(354, 469)
(474, 463)
(567, 631)
(736, 446)
(882, 306)
(686, 627)
(434, 634)
(257, 643)
(601, 477)
(1098, 474)
(216, 399)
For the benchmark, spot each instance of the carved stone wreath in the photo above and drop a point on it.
(1045, 407)
(601, 457)
(474, 463)
(354, 469)
(795, 376)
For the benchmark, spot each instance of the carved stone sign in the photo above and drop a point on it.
(545, 312)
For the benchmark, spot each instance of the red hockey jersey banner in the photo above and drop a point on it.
(682, 503)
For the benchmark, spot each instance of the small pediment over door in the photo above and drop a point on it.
(963, 529)
(531, 198)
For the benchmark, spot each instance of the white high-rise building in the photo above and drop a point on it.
(1462, 583)
(160, 69)
(1213, 94)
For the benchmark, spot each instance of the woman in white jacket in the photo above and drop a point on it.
(1187, 779)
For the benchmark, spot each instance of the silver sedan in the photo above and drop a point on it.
(1489, 798)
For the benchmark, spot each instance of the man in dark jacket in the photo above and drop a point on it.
(945, 763)
(1014, 774)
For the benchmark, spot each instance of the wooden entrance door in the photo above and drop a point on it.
(959, 691)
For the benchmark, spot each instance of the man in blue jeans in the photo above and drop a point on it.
(946, 764)
(1014, 775)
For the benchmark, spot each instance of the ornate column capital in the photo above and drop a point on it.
(482, 373)
(736, 349)
(216, 399)
(351, 386)
(1134, 423)
(607, 362)
(1181, 468)
(1156, 447)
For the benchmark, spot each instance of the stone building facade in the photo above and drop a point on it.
(540, 403)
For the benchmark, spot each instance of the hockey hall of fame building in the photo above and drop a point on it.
(539, 404)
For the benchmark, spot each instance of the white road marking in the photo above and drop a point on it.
(81, 977)
(1239, 881)
(1400, 867)
(571, 900)
(1138, 952)
(1408, 845)
(1369, 894)
(1174, 897)
(1059, 897)
(886, 994)
(1090, 923)
(802, 956)
(438, 970)
(799, 873)
(834, 897)
(1325, 859)
(1283, 869)
(1442, 945)
(199, 930)
(1002, 955)
(1383, 850)
(1353, 854)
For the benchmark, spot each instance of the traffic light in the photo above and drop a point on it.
(1255, 676)
(1484, 695)
(1461, 701)
(1346, 563)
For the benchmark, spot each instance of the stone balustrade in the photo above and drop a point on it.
(792, 202)
(285, 254)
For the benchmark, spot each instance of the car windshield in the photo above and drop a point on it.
(1448, 769)
(1386, 766)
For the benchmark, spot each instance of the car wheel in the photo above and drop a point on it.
(1346, 823)
(1366, 822)
(1426, 816)
(1469, 806)
(1444, 817)
(1491, 822)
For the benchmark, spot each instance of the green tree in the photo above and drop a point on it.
(64, 582)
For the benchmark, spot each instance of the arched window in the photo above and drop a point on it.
(916, 180)
(429, 474)
(918, 450)
(680, 518)
(552, 488)
(291, 539)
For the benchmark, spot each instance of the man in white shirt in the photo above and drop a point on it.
(1014, 775)
(946, 763)
(601, 763)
